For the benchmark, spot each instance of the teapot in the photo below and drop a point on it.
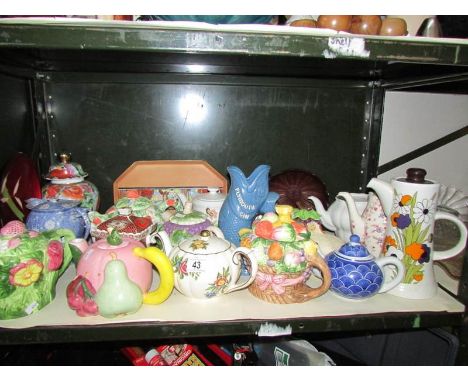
(30, 266)
(356, 213)
(356, 274)
(410, 204)
(114, 276)
(50, 214)
(182, 225)
(286, 258)
(207, 266)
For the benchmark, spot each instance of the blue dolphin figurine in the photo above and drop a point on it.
(247, 197)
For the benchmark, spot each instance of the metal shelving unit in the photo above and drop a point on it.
(287, 97)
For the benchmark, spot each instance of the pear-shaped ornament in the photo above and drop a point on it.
(118, 294)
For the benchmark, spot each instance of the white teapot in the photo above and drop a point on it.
(207, 266)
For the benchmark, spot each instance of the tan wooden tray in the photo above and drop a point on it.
(169, 174)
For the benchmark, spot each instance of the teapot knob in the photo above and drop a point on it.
(205, 233)
(65, 157)
(354, 239)
(415, 175)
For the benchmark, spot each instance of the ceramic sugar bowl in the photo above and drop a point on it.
(181, 226)
(356, 274)
(50, 214)
(206, 266)
(209, 203)
(67, 182)
(286, 258)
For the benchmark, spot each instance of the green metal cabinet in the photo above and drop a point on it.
(115, 93)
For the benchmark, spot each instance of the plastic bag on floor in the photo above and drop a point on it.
(290, 353)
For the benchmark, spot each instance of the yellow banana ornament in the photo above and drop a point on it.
(162, 263)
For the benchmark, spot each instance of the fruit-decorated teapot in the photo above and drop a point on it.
(286, 257)
(114, 276)
(207, 266)
(30, 265)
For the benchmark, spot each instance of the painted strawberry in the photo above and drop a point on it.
(55, 254)
(13, 228)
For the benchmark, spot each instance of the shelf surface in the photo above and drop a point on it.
(238, 313)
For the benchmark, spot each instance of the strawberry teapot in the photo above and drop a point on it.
(207, 266)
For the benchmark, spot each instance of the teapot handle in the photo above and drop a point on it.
(84, 214)
(442, 255)
(216, 231)
(318, 262)
(398, 277)
(164, 267)
(243, 251)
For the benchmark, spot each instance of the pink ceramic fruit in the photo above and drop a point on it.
(93, 262)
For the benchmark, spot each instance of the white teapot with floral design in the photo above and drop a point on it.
(410, 204)
(207, 266)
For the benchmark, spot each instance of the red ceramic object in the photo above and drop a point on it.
(20, 181)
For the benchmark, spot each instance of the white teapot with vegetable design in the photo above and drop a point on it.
(207, 266)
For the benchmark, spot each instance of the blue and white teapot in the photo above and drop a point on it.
(50, 214)
(356, 274)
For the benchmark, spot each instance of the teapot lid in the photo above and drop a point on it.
(415, 175)
(188, 216)
(206, 243)
(51, 205)
(65, 171)
(353, 248)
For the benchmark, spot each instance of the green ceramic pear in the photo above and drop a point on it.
(118, 294)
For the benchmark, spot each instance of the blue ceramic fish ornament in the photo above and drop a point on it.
(247, 197)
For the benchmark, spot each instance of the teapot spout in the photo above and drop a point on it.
(385, 193)
(325, 217)
(356, 221)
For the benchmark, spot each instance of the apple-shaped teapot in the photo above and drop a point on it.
(114, 276)
(207, 266)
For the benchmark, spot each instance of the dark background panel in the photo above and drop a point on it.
(108, 126)
(16, 125)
